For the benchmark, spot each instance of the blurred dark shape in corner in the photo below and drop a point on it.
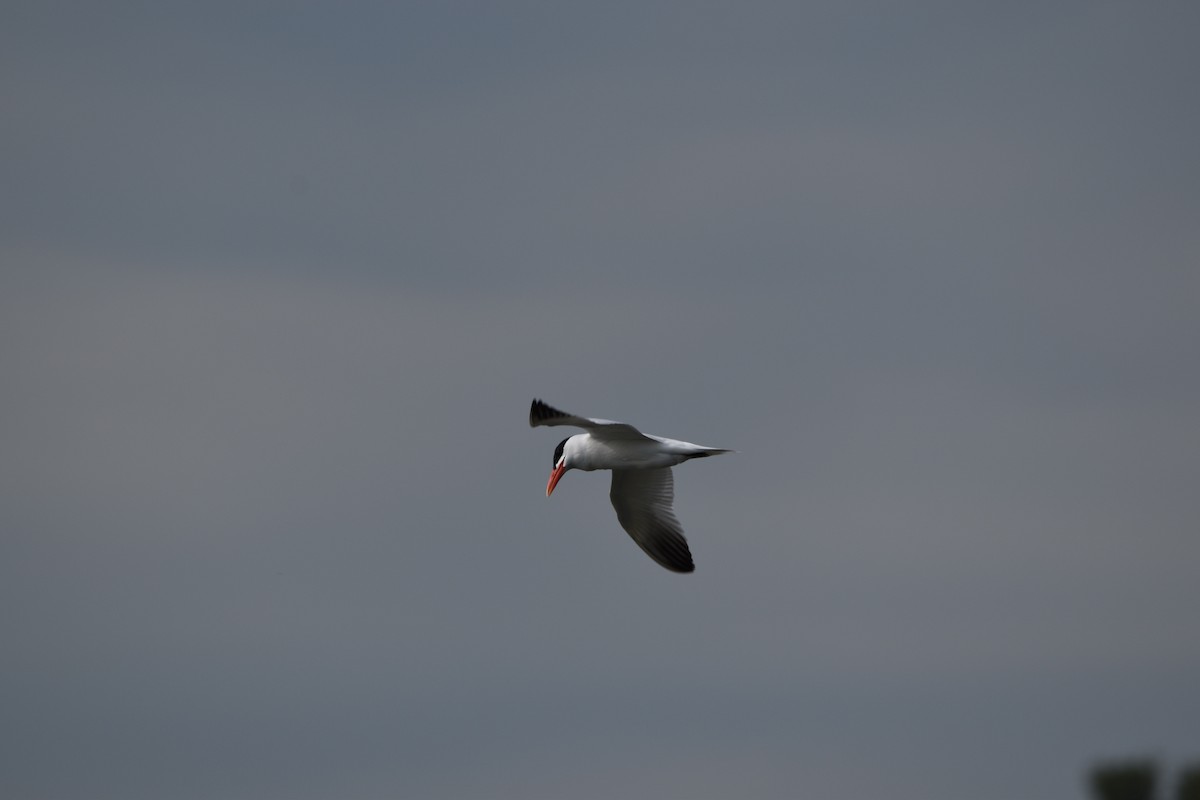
(1137, 779)
(1187, 786)
(1133, 779)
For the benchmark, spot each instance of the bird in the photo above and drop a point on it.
(643, 489)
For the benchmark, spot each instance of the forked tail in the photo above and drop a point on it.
(710, 451)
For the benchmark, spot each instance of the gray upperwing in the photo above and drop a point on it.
(642, 499)
(542, 414)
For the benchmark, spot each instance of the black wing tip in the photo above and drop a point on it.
(671, 553)
(674, 562)
(539, 412)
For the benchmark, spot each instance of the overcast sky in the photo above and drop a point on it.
(279, 281)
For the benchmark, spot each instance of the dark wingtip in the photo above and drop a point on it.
(683, 567)
(673, 554)
(539, 412)
(684, 563)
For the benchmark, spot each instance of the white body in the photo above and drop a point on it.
(589, 452)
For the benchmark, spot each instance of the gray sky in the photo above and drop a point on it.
(280, 280)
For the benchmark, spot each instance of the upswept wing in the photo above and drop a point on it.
(542, 414)
(643, 499)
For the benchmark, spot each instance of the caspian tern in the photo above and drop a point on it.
(642, 486)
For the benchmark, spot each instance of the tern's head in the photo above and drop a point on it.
(562, 459)
(558, 451)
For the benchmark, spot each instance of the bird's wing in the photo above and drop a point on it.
(642, 499)
(542, 414)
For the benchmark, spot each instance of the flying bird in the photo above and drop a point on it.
(642, 486)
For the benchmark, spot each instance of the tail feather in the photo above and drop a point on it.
(710, 451)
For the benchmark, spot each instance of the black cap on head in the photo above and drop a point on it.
(558, 451)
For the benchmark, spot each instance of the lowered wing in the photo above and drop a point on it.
(643, 499)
